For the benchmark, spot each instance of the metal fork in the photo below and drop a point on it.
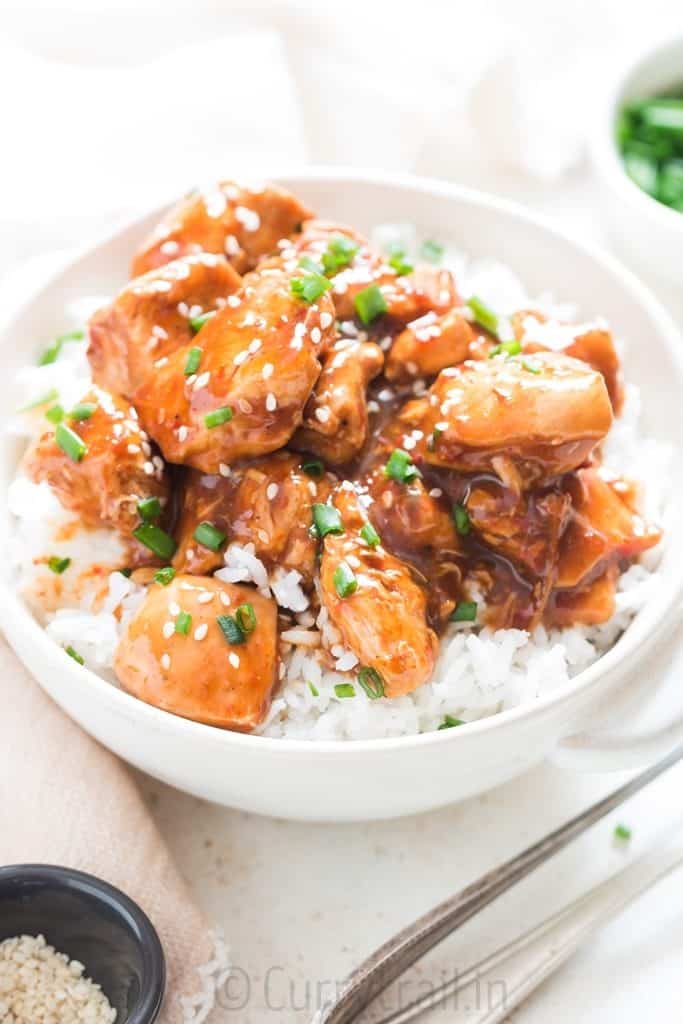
(393, 958)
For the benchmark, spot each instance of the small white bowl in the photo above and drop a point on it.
(648, 233)
(367, 779)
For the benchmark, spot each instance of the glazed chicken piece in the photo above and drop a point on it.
(100, 463)
(150, 319)
(335, 423)
(594, 346)
(383, 621)
(175, 655)
(429, 345)
(587, 606)
(259, 359)
(238, 221)
(603, 529)
(266, 503)
(524, 420)
(407, 297)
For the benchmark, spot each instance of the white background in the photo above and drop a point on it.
(498, 95)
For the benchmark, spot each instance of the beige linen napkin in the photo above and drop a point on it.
(66, 800)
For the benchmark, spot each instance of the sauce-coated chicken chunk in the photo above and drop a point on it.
(336, 415)
(100, 464)
(382, 618)
(258, 360)
(428, 345)
(175, 655)
(150, 319)
(266, 503)
(240, 222)
(526, 420)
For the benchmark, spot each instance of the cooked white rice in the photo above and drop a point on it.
(479, 672)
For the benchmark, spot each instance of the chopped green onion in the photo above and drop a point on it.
(399, 263)
(370, 303)
(343, 690)
(218, 417)
(622, 832)
(49, 396)
(465, 611)
(339, 253)
(530, 367)
(164, 576)
(450, 723)
(370, 535)
(75, 655)
(245, 616)
(55, 414)
(642, 172)
(309, 264)
(510, 348)
(58, 565)
(310, 287)
(154, 538)
(401, 467)
(51, 354)
(326, 519)
(82, 411)
(345, 582)
(197, 322)
(313, 467)
(231, 629)
(461, 518)
(483, 314)
(209, 536)
(194, 358)
(183, 623)
(371, 681)
(149, 509)
(126, 572)
(314, 690)
(431, 251)
(433, 438)
(70, 443)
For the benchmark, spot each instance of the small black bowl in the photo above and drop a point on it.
(93, 922)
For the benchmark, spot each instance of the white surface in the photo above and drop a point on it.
(315, 899)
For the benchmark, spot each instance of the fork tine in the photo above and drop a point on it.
(414, 941)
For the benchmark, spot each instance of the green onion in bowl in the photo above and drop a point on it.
(650, 138)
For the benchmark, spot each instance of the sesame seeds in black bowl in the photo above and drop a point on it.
(92, 924)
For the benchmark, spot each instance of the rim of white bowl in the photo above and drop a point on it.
(603, 144)
(638, 637)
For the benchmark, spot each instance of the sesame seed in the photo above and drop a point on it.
(190, 380)
(147, 448)
(271, 491)
(255, 345)
(182, 433)
(249, 219)
(313, 487)
(234, 659)
(385, 395)
(168, 630)
(316, 335)
(148, 468)
(159, 332)
(233, 301)
(435, 492)
(202, 380)
(244, 406)
(118, 429)
(300, 330)
(161, 362)
(133, 449)
(322, 415)
(267, 370)
(205, 597)
(325, 320)
(232, 246)
(183, 308)
(174, 608)
(225, 598)
(263, 536)
(170, 247)
(201, 631)
(223, 469)
(240, 357)
(271, 402)
(166, 661)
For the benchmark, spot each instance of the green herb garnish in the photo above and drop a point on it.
(400, 467)
(465, 611)
(343, 690)
(326, 519)
(197, 322)
(450, 723)
(510, 348)
(82, 411)
(183, 623)
(461, 518)
(218, 417)
(75, 655)
(314, 690)
(339, 253)
(164, 576)
(483, 314)
(51, 354)
(58, 565)
(398, 262)
(310, 287)
(371, 682)
(370, 535)
(431, 251)
(49, 396)
(245, 616)
(345, 582)
(194, 358)
(70, 443)
(149, 509)
(231, 629)
(622, 833)
(370, 303)
(209, 536)
(154, 538)
(55, 414)
(313, 467)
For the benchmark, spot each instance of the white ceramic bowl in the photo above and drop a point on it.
(382, 778)
(648, 233)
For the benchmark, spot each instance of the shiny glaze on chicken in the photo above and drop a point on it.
(351, 420)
